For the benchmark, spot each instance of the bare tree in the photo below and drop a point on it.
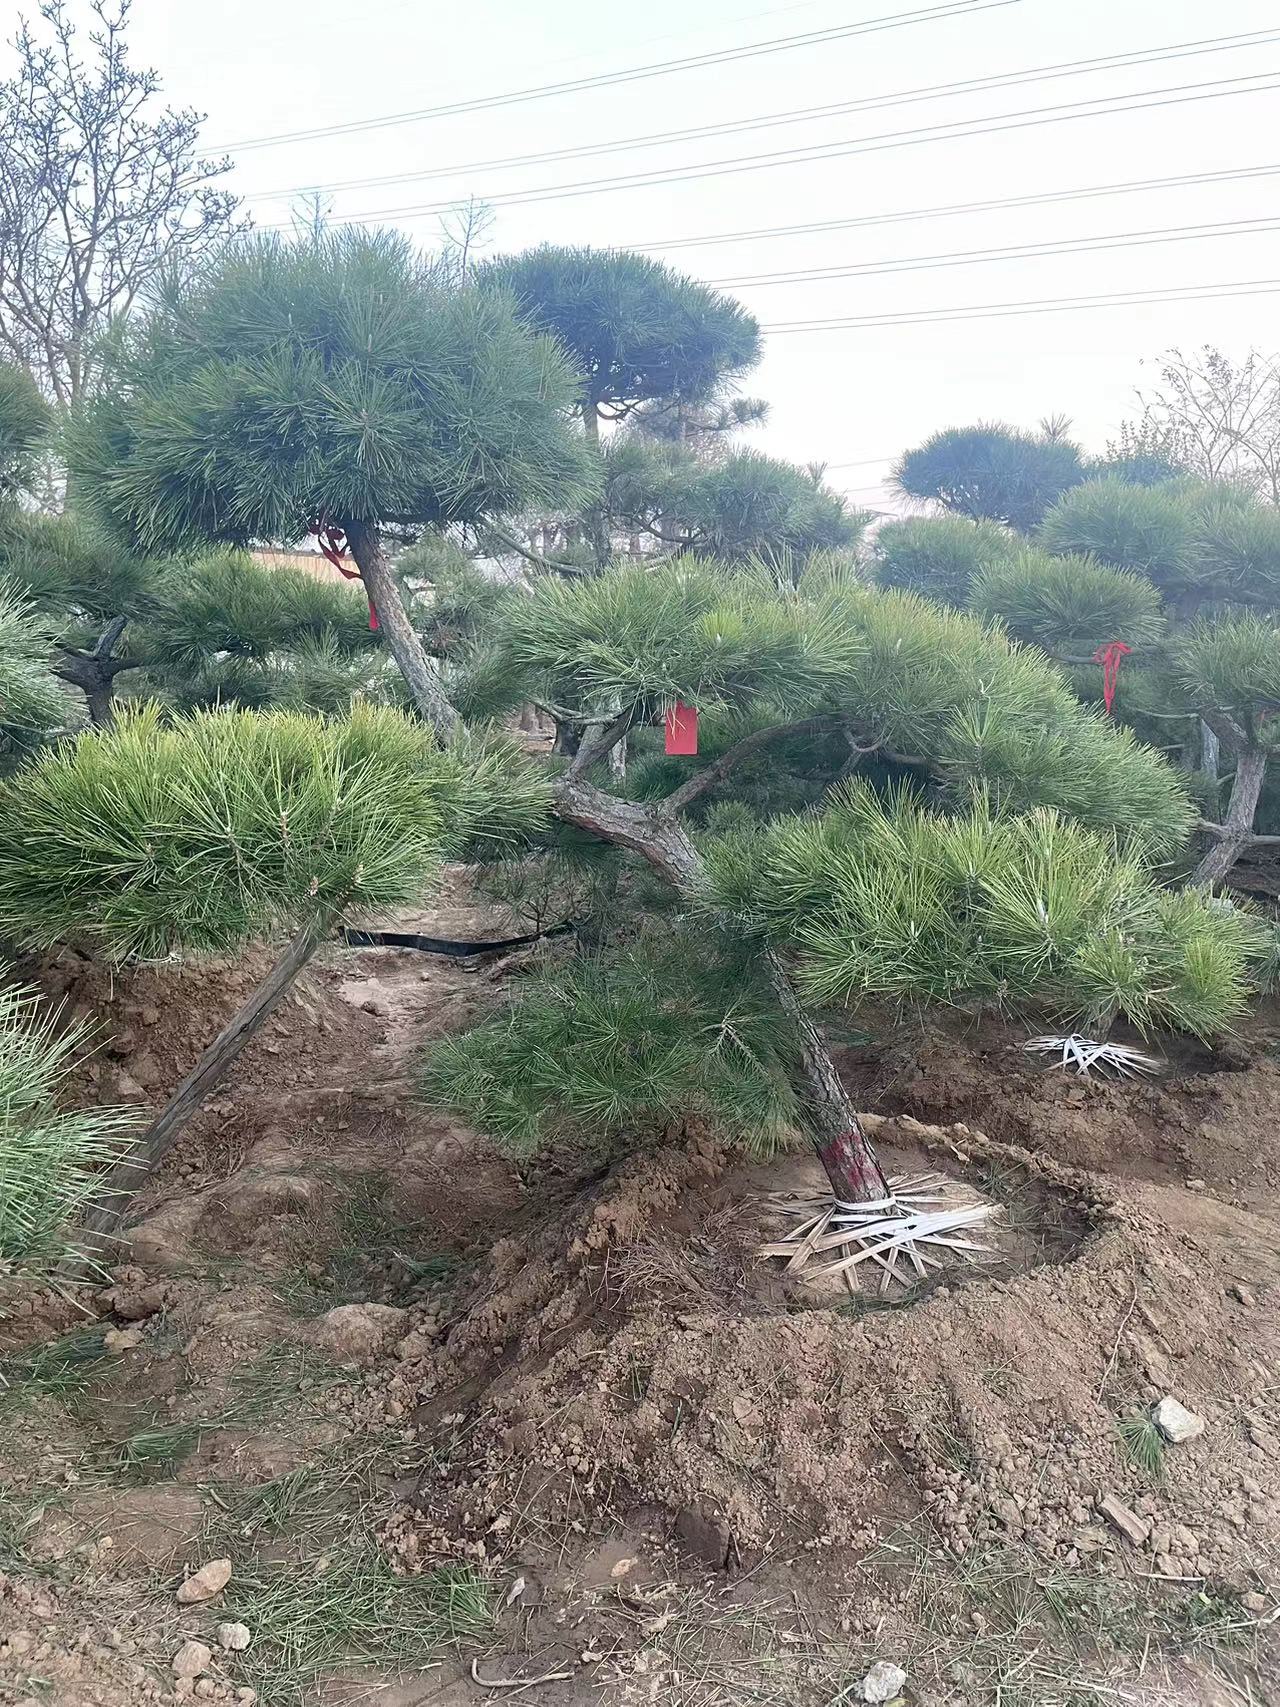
(310, 214)
(99, 191)
(464, 231)
(1219, 417)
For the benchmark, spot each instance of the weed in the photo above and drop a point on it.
(351, 1609)
(1143, 1444)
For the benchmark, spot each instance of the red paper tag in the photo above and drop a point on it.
(682, 728)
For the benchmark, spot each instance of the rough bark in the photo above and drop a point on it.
(1235, 832)
(406, 647)
(95, 672)
(131, 1171)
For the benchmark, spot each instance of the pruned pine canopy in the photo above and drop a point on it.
(635, 328)
(885, 898)
(204, 833)
(932, 687)
(339, 378)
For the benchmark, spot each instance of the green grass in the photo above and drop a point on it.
(350, 1610)
(60, 1370)
(1143, 1444)
(154, 1454)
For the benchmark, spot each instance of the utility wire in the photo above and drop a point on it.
(1009, 252)
(800, 115)
(1045, 305)
(635, 73)
(1026, 118)
(1128, 187)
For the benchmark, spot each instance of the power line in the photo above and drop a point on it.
(636, 73)
(1010, 252)
(1129, 187)
(1046, 305)
(799, 115)
(1025, 118)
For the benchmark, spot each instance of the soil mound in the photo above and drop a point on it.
(622, 1358)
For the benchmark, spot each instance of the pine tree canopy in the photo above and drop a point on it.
(938, 556)
(886, 898)
(1214, 541)
(991, 472)
(932, 687)
(70, 572)
(25, 421)
(203, 833)
(1067, 605)
(335, 379)
(33, 704)
(634, 328)
(738, 506)
(1231, 664)
(50, 1159)
(676, 1028)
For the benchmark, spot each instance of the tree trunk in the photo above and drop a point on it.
(825, 1108)
(406, 647)
(842, 1145)
(1236, 830)
(597, 527)
(131, 1171)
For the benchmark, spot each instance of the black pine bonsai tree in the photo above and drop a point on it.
(1037, 892)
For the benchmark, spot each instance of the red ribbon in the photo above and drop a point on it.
(333, 546)
(1109, 657)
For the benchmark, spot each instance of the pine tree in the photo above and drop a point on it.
(199, 835)
(1057, 847)
(1184, 574)
(638, 333)
(992, 472)
(336, 383)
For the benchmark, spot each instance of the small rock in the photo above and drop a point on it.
(116, 1340)
(1254, 1602)
(191, 1659)
(1127, 1522)
(149, 1016)
(235, 1637)
(205, 1688)
(1195, 1185)
(209, 1580)
(882, 1682)
(1175, 1422)
(1242, 1295)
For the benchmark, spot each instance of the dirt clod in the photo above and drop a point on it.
(191, 1659)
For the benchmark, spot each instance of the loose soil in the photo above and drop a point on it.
(351, 1346)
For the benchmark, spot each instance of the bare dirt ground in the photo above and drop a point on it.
(460, 1426)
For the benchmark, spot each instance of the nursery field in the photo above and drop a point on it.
(467, 1431)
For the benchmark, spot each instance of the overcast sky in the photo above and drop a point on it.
(852, 398)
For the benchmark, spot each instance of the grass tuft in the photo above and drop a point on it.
(1143, 1444)
(351, 1609)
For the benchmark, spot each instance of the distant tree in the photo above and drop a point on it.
(738, 506)
(992, 472)
(339, 385)
(100, 192)
(464, 232)
(637, 331)
(1143, 454)
(938, 556)
(705, 429)
(1217, 417)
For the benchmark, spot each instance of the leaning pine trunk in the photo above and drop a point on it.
(842, 1145)
(133, 1169)
(1236, 830)
(406, 648)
